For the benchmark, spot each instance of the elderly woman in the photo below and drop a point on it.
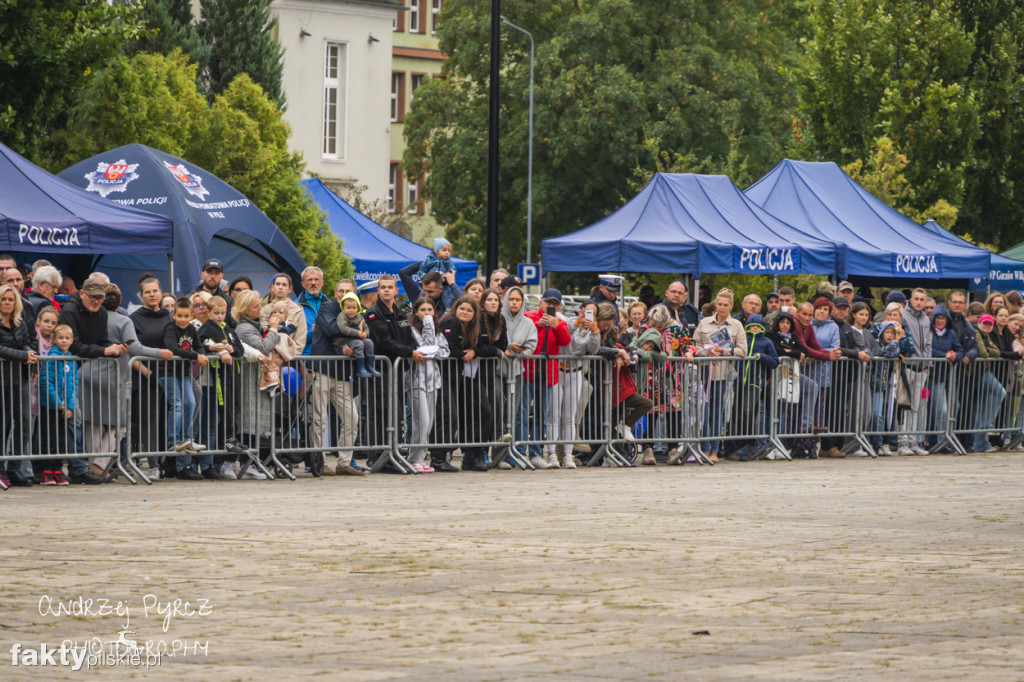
(45, 283)
(716, 336)
(256, 417)
(105, 404)
(280, 288)
(16, 349)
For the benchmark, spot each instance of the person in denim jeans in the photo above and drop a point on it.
(182, 339)
(991, 392)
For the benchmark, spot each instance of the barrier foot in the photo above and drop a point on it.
(861, 442)
(3, 486)
(138, 472)
(394, 456)
(255, 461)
(596, 458)
(518, 459)
(947, 443)
(124, 472)
(698, 455)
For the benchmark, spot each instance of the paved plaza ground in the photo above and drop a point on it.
(898, 568)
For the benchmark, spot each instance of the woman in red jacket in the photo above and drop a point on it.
(540, 376)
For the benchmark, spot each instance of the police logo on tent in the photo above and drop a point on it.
(190, 181)
(111, 177)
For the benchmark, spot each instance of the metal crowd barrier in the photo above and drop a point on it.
(63, 408)
(218, 406)
(470, 410)
(501, 406)
(327, 408)
(574, 410)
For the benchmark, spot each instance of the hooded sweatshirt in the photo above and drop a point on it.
(426, 376)
(519, 329)
(89, 328)
(918, 327)
(349, 327)
(755, 374)
(787, 345)
(943, 341)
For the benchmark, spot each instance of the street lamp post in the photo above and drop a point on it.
(529, 157)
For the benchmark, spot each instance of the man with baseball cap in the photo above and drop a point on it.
(213, 275)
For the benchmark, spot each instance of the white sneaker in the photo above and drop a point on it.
(992, 449)
(154, 474)
(607, 462)
(227, 471)
(859, 452)
(504, 465)
(196, 446)
(539, 462)
(568, 462)
(884, 451)
(904, 451)
(553, 460)
(253, 474)
(918, 450)
(626, 433)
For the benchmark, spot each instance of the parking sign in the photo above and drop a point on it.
(529, 273)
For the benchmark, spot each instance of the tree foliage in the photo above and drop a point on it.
(49, 49)
(170, 25)
(241, 137)
(239, 35)
(614, 79)
(898, 69)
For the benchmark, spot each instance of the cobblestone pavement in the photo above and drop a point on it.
(901, 568)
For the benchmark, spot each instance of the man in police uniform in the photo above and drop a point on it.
(608, 289)
(368, 294)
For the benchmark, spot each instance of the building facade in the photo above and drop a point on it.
(336, 80)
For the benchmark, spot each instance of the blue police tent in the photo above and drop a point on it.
(40, 212)
(883, 246)
(1004, 274)
(695, 224)
(211, 219)
(374, 250)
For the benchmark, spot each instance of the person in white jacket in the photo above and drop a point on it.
(719, 335)
(565, 395)
(423, 380)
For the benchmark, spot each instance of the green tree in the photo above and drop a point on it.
(241, 137)
(48, 50)
(898, 69)
(239, 35)
(993, 207)
(611, 77)
(171, 25)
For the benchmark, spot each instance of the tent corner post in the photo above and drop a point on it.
(170, 271)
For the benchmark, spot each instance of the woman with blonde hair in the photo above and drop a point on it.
(15, 347)
(718, 335)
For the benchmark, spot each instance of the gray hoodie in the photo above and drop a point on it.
(520, 330)
(919, 326)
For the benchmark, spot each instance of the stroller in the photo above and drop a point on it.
(293, 407)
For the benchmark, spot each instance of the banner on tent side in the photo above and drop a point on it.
(766, 260)
(919, 265)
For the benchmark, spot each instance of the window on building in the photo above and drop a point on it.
(414, 16)
(397, 97)
(414, 85)
(392, 187)
(335, 66)
(435, 13)
(414, 196)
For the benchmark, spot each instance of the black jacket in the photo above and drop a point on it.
(686, 315)
(211, 332)
(787, 347)
(325, 331)
(90, 329)
(389, 331)
(15, 343)
(847, 343)
(184, 343)
(485, 347)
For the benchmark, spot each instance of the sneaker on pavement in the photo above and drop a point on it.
(648, 458)
(189, 474)
(568, 462)
(253, 474)
(539, 462)
(884, 451)
(992, 448)
(60, 478)
(504, 465)
(553, 460)
(859, 452)
(904, 451)
(48, 479)
(606, 461)
(153, 474)
(86, 478)
(918, 450)
(212, 473)
(227, 471)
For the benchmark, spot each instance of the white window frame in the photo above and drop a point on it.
(415, 81)
(335, 78)
(397, 78)
(414, 197)
(414, 16)
(392, 187)
(435, 13)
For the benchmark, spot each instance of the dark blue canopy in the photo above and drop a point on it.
(211, 219)
(1005, 273)
(694, 224)
(824, 202)
(374, 250)
(41, 212)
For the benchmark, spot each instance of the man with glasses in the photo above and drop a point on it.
(678, 309)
